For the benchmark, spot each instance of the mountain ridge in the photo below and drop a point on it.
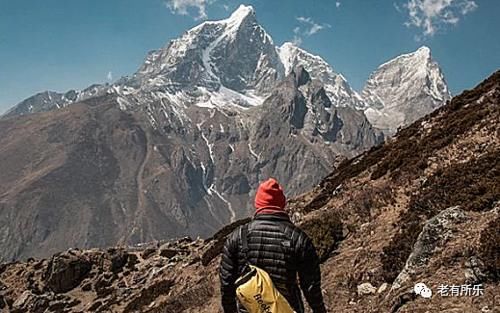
(184, 70)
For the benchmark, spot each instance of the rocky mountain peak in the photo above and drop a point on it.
(404, 89)
(335, 84)
(241, 14)
(292, 56)
(216, 63)
(421, 56)
(306, 111)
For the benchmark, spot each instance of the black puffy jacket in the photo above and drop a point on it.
(282, 250)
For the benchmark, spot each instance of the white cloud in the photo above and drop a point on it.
(297, 39)
(432, 15)
(396, 6)
(182, 7)
(308, 28)
(109, 76)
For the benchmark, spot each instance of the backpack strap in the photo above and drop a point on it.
(244, 241)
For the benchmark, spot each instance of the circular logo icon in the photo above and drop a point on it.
(426, 293)
(422, 290)
(418, 288)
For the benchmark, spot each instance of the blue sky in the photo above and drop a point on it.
(60, 44)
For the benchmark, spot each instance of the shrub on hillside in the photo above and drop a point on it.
(325, 232)
(472, 185)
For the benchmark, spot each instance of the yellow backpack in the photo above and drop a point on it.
(255, 289)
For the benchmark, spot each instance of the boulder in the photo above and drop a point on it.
(66, 271)
(435, 233)
(29, 302)
(132, 260)
(474, 272)
(119, 258)
(167, 252)
(148, 252)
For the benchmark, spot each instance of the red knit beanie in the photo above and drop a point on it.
(270, 197)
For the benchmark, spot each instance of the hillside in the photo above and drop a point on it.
(424, 207)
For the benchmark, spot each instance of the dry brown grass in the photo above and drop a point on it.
(489, 249)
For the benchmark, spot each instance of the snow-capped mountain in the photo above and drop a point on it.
(404, 89)
(232, 62)
(178, 147)
(218, 63)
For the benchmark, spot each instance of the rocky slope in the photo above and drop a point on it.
(423, 207)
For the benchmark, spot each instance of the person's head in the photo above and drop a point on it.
(270, 198)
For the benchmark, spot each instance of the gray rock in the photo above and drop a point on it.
(433, 236)
(148, 252)
(119, 258)
(366, 289)
(473, 272)
(169, 252)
